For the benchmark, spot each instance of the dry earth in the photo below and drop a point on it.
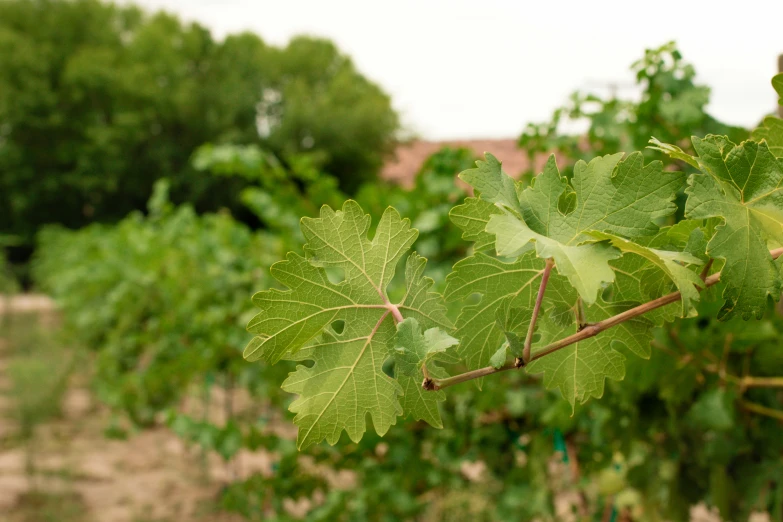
(150, 476)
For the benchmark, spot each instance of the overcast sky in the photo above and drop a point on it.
(459, 69)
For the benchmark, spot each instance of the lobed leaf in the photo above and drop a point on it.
(413, 350)
(743, 185)
(580, 370)
(622, 197)
(670, 263)
(511, 285)
(771, 129)
(472, 217)
(346, 381)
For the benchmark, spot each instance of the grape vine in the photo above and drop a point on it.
(573, 276)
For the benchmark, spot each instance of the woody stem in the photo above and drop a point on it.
(589, 331)
(536, 310)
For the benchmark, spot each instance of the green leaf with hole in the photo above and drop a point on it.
(580, 370)
(505, 288)
(622, 197)
(346, 381)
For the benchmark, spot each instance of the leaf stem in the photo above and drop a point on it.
(588, 332)
(706, 270)
(395, 311)
(536, 310)
(426, 374)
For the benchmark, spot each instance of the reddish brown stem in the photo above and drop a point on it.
(536, 310)
(706, 270)
(426, 373)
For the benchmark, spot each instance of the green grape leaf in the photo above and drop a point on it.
(638, 279)
(513, 285)
(777, 84)
(472, 217)
(412, 350)
(580, 370)
(494, 185)
(586, 266)
(670, 263)
(421, 404)
(743, 185)
(771, 128)
(346, 381)
(514, 322)
(498, 359)
(608, 195)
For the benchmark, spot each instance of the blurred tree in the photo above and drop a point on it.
(98, 101)
(317, 102)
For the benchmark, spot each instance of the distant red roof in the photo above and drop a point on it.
(409, 157)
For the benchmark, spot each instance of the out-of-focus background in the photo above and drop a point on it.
(154, 164)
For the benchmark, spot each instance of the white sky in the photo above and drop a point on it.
(459, 69)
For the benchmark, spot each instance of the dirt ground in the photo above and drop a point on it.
(81, 475)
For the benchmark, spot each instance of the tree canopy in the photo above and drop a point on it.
(98, 101)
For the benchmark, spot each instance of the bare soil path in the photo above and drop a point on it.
(81, 475)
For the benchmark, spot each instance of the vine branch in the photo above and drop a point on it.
(761, 382)
(744, 382)
(706, 270)
(536, 310)
(762, 410)
(589, 331)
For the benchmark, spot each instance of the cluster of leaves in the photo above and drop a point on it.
(671, 106)
(159, 297)
(610, 233)
(685, 441)
(277, 194)
(280, 194)
(99, 100)
(612, 199)
(771, 129)
(510, 469)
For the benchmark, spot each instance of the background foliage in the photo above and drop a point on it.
(671, 106)
(97, 101)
